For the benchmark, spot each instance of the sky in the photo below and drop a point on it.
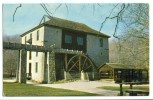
(29, 15)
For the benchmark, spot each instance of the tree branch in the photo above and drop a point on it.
(57, 8)
(118, 18)
(16, 10)
(67, 9)
(102, 24)
(119, 15)
(99, 5)
(46, 10)
(93, 9)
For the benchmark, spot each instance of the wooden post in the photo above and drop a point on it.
(114, 74)
(45, 68)
(140, 75)
(66, 66)
(147, 75)
(17, 70)
(121, 75)
(121, 91)
(110, 74)
(79, 63)
(22, 78)
(131, 86)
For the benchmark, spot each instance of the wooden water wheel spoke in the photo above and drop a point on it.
(79, 63)
(87, 67)
(72, 59)
(84, 63)
(74, 65)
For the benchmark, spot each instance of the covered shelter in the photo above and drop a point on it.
(121, 72)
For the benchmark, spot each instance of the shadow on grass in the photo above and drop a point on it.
(117, 88)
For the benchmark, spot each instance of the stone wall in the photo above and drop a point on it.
(99, 55)
(53, 37)
(52, 70)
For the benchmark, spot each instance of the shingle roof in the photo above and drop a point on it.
(70, 25)
(121, 66)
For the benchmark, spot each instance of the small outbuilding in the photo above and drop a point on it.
(121, 72)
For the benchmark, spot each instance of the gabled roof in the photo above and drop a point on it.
(69, 25)
(120, 66)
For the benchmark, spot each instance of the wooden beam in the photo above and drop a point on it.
(18, 46)
(84, 62)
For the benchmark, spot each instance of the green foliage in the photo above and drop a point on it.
(17, 89)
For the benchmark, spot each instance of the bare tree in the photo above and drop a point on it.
(10, 57)
(133, 45)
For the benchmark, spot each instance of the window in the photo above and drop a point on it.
(79, 40)
(101, 42)
(72, 40)
(30, 40)
(36, 54)
(25, 39)
(30, 55)
(38, 35)
(68, 39)
(31, 36)
(36, 70)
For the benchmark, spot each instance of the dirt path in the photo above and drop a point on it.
(85, 86)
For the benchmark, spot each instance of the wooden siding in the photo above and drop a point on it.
(74, 45)
(122, 73)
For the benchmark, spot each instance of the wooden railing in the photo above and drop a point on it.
(18, 46)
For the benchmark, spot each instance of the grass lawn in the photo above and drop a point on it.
(17, 89)
(117, 88)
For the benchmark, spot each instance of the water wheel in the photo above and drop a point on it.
(79, 63)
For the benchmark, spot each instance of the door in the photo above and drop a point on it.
(29, 70)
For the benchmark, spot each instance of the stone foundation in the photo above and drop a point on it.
(52, 71)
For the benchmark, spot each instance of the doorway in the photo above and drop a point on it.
(29, 74)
